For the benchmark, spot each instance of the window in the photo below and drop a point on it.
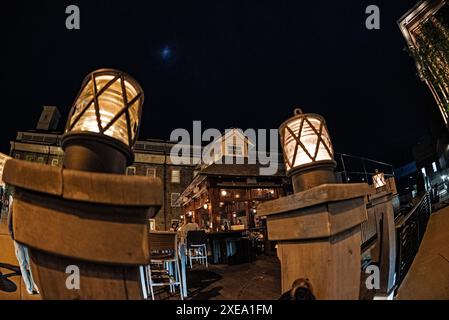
(29, 157)
(176, 176)
(235, 150)
(40, 159)
(151, 172)
(55, 162)
(131, 171)
(423, 170)
(174, 197)
(434, 167)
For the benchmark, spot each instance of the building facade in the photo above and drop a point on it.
(227, 189)
(426, 31)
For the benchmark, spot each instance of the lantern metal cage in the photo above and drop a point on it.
(379, 180)
(308, 151)
(103, 123)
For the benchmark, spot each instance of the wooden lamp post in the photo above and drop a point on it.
(88, 215)
(383, 203)
(318, 227)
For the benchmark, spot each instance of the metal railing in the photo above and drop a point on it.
(359, 169)
(410, 229)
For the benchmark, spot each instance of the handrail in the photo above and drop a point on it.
(405, 219)
(410, 231)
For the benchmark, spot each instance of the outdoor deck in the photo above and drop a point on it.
(428, 277)
(259, 280)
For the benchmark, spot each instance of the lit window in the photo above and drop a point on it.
(176, 176)
(151, 172)
(55, 162)
(423, 170)
(235, 150)
(434, 167)
(29, 157)
(131, 171)
(174, 197)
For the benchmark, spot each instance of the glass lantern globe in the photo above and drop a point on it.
(107, 110)
(379, 180)
(307, 147)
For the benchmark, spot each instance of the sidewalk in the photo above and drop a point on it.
(428, 277)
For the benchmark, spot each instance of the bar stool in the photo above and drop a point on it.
(196, 246)
(163, 255)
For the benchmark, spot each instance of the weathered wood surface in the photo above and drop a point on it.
(319, 237)
(381, 205)
(33, 176)
(103, 234)
(99, 188)
(112, 189)
(97, 281)
(98, 222)
(319, 221)
(312, 197)
(331, 265)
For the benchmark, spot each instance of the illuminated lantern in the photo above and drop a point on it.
(103, 123)
(379, 179)
(308, 151)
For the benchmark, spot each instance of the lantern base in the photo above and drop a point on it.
(93, 152)
(312, 175)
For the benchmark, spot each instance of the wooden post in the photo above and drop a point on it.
(318, 234)
(96, 222)
(381, 204)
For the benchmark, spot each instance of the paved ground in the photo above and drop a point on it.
(428, 277)
(259, 280)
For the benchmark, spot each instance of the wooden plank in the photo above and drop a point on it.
(33, 176)
(112, 189)
(103, 234)
(97, 281)
(332, 267)
(312, 197)
(319, 221)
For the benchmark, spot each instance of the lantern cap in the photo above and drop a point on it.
(298, 114)
(297, 111)
(111, 71)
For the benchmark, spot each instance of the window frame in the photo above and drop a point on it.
(172, 176)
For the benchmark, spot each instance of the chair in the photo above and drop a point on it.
(196, 246)
(163, 255)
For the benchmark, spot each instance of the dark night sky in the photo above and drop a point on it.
(229, 63)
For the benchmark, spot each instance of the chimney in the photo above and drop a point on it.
(49, 119)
